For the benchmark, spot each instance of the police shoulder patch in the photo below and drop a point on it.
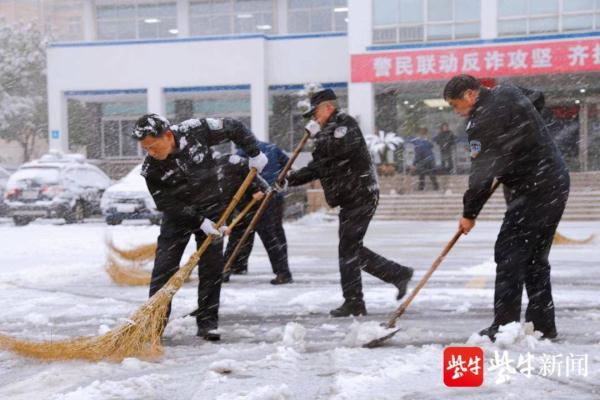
(475, 146)
(340, 132)
(215, 124)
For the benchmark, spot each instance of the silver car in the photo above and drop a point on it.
(129, 199)
(55, 186)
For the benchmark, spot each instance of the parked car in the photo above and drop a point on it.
(4, 174)
(55, 186)
(129, 199)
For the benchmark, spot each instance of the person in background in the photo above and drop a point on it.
(424, 162)
(269, 228)
(447, 142)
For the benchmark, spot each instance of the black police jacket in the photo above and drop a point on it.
(509, 141)
(186, 183)
(342, 162)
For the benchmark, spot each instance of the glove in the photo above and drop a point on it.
(258, 162)
(313, 128)
(280, 186)
(208, 227)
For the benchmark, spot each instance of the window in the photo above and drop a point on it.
(116, 124)
(519, 17)
(286, 124)
(64, 19)
(305, 16)
(142, 20)
(401, 21)
(224, 17)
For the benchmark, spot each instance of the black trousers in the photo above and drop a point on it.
(447, 156)
(271, 233)
(354, 256)
(521, 255)
(174, 236)
(424, 168)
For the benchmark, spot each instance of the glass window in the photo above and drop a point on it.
(467, 10)
(143, 20)
(224, 17)
(439, 10)
(578, 5)
(111, 136)
(545, 16)
(305, 16)
(385, 12)
(398, 21)
(512, 27)
(411, 11)
(511, 8)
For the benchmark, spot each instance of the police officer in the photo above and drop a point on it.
(342, 162)
(510, 142)
(269, 228)
(181, 175)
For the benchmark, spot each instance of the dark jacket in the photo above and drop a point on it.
(232, 170)
(446, 140)
(277, 160)
(510, 142)
(342, 162)
(186, 183)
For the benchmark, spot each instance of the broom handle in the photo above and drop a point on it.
(189, 266)
(265, 201)
(242, 213)
(398, 313)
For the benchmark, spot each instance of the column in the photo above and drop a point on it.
(361, 100)
(183, 18)
(58, 127)
(156, 100)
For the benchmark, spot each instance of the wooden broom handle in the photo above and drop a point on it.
(398, 313)
(265, 201)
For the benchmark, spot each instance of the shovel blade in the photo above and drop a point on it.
(380, 341)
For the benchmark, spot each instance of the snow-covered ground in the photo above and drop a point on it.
(279, 342)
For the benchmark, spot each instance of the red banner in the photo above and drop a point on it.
(528, 58)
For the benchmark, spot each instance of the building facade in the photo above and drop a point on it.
(388, 60)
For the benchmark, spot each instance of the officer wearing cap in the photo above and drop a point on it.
(510, 142)
(182, 178)
(342, 163)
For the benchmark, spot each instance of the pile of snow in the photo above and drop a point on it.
(225, 366)
(293, 335)
(362, 333)
(269, 392)
(509, 334)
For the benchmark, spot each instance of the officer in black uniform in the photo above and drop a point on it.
(269, 227)
(182, 177)
(509, 141)
(342, 162)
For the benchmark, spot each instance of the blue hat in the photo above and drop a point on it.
(317, 98)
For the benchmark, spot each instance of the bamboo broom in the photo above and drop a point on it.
(124, 275)
(140, 335)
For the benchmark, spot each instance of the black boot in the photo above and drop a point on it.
(282, 279)
(490, 332)
(402, 282)
(208, 334)
(207, 328)
(350, 307)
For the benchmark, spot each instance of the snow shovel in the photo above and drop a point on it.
(263, 205)
(400, 310)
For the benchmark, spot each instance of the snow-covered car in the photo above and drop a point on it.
(129, 199)
(4, 174)
(55, 186)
